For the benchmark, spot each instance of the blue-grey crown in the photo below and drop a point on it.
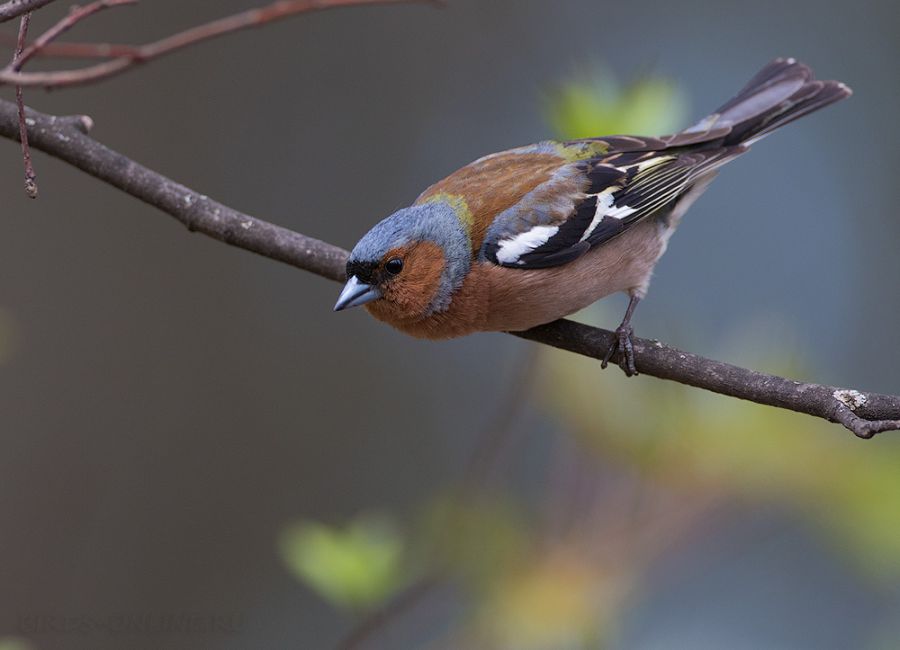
(435, 222)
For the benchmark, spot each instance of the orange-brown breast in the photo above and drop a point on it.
(493, 184)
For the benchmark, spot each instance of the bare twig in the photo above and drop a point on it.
(69, 50)
(24, 52)
(205, 32)
(66, 139)
(30, 177)
(75, 16)
(16, 8)
(869, 413)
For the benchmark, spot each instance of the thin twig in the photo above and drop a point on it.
(71, 50)
(140, 54)
(30, 177)
(75, 16)
(860, 426)
(25, 51)
(16, 8)
(66, 139)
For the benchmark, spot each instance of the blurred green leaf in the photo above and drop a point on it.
(356, 567)
(599, 105)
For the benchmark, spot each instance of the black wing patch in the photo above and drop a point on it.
(624, 188)
(652, 182)
(566, 245)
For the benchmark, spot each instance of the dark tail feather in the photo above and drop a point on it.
(781, 92)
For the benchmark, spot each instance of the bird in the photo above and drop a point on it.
(523, 237)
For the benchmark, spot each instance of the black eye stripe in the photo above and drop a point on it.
(364, 271)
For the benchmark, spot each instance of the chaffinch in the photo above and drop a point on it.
(526, 236)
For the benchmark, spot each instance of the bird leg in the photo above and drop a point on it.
(623, 342)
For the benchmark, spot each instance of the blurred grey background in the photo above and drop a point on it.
(168, 403)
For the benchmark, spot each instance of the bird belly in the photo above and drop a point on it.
(521, 299)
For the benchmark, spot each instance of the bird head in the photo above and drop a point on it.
(410, 264)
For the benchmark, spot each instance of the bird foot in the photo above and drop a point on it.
(625, 349)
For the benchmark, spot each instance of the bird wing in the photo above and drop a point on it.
(549, 203)
(588, 202)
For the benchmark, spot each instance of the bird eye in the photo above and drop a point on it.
(394, 265)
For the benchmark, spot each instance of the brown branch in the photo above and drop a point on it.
(24, 52)
(866, 414)
(16, 8)
(70, 50)
(143, 53)
(30, 177)
(75, 16)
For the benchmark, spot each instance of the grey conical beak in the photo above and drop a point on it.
(356, 293)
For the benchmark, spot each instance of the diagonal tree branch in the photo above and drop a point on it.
(865, 414)
(15, 8)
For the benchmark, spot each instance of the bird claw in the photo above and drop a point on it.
(625, 348)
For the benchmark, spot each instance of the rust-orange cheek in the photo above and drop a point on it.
(408, 296)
